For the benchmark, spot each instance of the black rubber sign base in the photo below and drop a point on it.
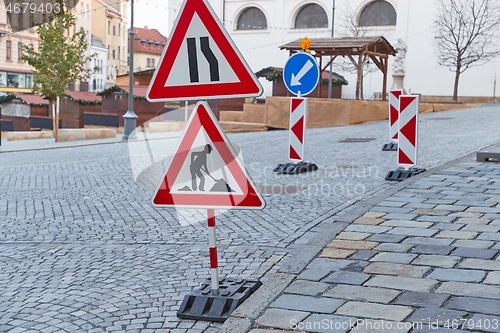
(295, 168)
(200, 304)
(402, 173)
(393, 146)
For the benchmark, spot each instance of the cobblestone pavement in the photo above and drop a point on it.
(425, 258)
(83, 250)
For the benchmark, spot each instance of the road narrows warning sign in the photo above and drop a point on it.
(205, 171)
(200, 61)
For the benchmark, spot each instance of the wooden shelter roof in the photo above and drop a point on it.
(339, 46)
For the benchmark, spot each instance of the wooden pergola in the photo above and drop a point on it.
(378, 49)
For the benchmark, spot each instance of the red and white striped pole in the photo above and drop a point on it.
(394, 113)
(298, 108)
(212, 248)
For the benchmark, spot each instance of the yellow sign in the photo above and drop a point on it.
(305, 43)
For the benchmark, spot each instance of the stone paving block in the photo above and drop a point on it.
(413, 232)
(489, 265)
(489, 236)
(373, 215)
(330, 264)
(389, 268)
(467, 220)
(390, 211)
(307, 303)
(435, 219)
(374, 310)
(405, 199)
(440, 201)
(456, 234)
(346, 277)
(279, 318)
(438, 316)
(386, 238)
(429, 327)
(352, 245)
(363, 255)
(408, 224)
(421, 299)
(349, 235)
(493, 278)
(469, 289)
(394, 247)
(454, 274)
(453, 208)
(400, 216)
(387, 203)
(335, 253)
(437, 260)
(468, 252)
(474, 304)
(428, 241)
(401, 283)
(368, 221)
(485, 323)
(358, 293)
(478, 244)
(447, 226)
(305, 287)
(313, 274)
(432, 249)
(431, 212)
(476, 203)
(372, 229)
(402, 258)
(321, 323)
(481, 228)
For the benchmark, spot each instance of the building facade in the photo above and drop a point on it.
(97, 81)
(259, 27)
(148, 47)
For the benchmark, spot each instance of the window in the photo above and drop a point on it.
(114, 57)
(149, 63)
(114, 30)
(81, 10)
(31, 18)
(20, 20)
(152, 62)
(118, 53)
(109, 28)
(119, 28)
(88, 10)
(311, 16)
(9, 17)
(8, 49)
(251, 19)
(19, 51)
(377, 13)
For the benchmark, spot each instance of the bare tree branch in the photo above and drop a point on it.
(466, 34)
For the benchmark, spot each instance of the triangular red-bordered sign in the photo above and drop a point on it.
(200, 61)
(203, 121)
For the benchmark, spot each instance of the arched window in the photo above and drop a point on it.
(251, 19)
(311, 16)
(377, 13)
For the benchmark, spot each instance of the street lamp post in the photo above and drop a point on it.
(130, 118)
(330, 75)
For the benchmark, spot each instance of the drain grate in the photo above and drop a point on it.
(357, 140)
(279, 189)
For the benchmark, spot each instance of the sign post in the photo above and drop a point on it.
(407, 139)
(201, 62)
(300, 75)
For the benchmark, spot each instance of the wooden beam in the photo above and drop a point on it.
(385, 62)
(360, 75)
(352, 60)
(377, 63)
(376, 54)
(328, 64)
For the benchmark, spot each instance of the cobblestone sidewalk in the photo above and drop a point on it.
(425, 258)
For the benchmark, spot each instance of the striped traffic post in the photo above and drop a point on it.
(296, 149)
(407, 139)
(393, 119)
(394, 113)
(408, 131)
(212, 248)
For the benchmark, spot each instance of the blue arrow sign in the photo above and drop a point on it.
(301, 74)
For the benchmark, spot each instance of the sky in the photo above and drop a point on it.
(153, 14)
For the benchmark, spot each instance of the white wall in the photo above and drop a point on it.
(415, 19)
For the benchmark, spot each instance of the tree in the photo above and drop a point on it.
(59, 60)
(349, 27)
(466, 34)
